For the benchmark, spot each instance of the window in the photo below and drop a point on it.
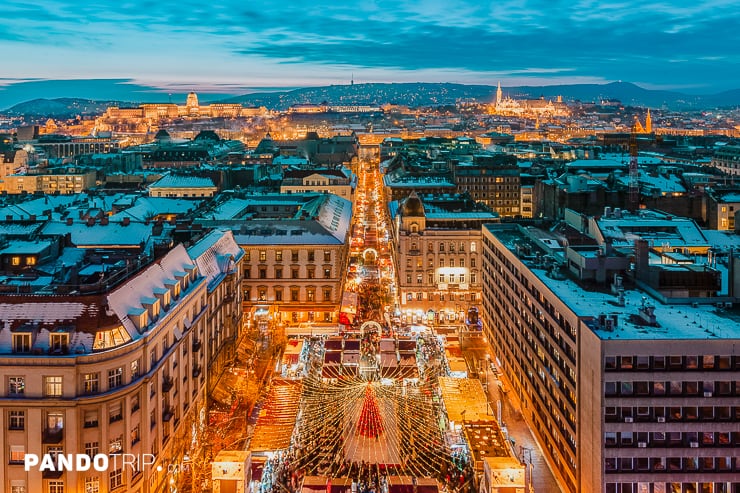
(115, 445)
(262, 294)
(92, 485)
(430, 278)
(311, 255)
(462, 262)
(311, 273)
(135, 435)
(442, 262)
(116, 479)
(294, 255)
(462, 278)
(278, 256)
(408, 278)
(278, 272)
(17, 453)
(16, 386)
(419, 279)
(15, 261)
(441, 278)
(247, 272)
(91, 383)
(472, 261)
(278, 294)
(114, 412)
(441, 247)
(58, 342)
(327, 255)
(56, 486)
(452, 262)
(327, 294)
(135, 368)
(473, 246)
(21, 343)
(473, 278)
(52, 386)
(17, 420)
(91, 419)
(263, 256)
(294, 294)
(327, 273)
(248, 256)
(310, 292)
(17, 486)
(263, 272)
(135, 402)
(115, 376)
(452, 247)
(419, 296)
(294, 273)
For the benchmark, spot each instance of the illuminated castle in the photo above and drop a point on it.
(534, 108)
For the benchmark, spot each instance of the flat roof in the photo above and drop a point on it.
(673, 321)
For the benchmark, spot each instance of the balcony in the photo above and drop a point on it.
(53, 435)
(167, 413)
(167, 383)
(46, 474)
(197, 344)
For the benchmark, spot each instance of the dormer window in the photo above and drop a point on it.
(22, 343)
(58, 342)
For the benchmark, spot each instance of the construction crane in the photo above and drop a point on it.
(634, 175)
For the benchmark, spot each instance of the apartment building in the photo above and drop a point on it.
(295, 254)
(623, 394)
(123, 371)
(437, 240)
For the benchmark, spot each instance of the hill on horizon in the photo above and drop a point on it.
(410, 93)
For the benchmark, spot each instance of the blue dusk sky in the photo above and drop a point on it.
(230, 46)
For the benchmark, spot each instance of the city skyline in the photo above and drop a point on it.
(227, 48)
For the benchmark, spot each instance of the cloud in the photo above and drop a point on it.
(613, 39)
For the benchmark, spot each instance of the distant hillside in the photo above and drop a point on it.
(412, 94)
(61, 107)
(426, 94)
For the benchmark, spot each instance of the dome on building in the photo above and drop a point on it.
(412, 206)
(192, 101)
(162, 135)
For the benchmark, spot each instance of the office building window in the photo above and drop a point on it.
(263, 272)
(327, 256)
(17, 420)
(263, 256)
(278, 294)
(92, 485)
(114, 412)
(327, 273)
(91, 419)
(116, 479)
(310, 292)
(115, 376)
(91, 383)
(327, 294)
(294, 294)
(294, 273)
(52, 386)
(294, 255)
(278, 272)
(17, 453)
(56, 486)
(16, 386)
(135, 368)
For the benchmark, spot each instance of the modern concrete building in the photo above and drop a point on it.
(624, 395)
(122, 370)
(437, 242)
